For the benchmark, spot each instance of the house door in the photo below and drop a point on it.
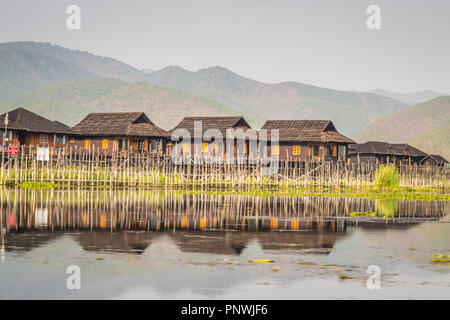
(22, 138)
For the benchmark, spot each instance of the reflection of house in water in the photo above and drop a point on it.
(216, 242)
(234, 242)
(27, 241)
(126, 242)
(298, 240)
(221, 224)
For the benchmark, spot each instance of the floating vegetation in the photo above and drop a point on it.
(362, 214)
(391, 194)
(37, 185)
(387, 176)
(261, 261)
(440, 258)
(343, 277)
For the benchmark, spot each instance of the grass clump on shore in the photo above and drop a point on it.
(387, 176)
(37, 185)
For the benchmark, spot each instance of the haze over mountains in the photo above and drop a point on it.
(350, 111)
(66, 84)
(425, 126)
(409, 98)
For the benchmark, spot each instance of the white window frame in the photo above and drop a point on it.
(63, 138)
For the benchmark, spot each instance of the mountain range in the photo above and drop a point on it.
(425, 126)
(350, 111)
(27, 66)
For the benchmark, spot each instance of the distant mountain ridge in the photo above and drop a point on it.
(28, 66)
(425, 126)
(350, 111)
(411, 98)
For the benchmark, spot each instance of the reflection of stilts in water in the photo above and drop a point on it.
(3, 230)
(154, 210)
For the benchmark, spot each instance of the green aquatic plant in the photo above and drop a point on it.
(362, 214)
(37, 185)
(387, 176)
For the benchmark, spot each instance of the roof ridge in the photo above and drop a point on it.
(119, 112)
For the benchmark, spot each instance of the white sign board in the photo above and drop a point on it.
(42, 153)
(41, 217)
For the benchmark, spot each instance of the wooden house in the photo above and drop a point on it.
(30, 129)
(434, 160)
(313, 140)
(126, 132)
(385, 153)
(222, 125)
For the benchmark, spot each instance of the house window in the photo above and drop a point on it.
(87, 144)
(105, 144)
(334, 151)
(141, 145)
(328, 151)
(275, 150)
(156, 145)
(313, 151)
(43, 138)
(204, 147)
(218, 148)
(160, 145)
(123, 144)
(186, 147)
(60, 139)
(8, 136)
(296, 150)
(342, 151)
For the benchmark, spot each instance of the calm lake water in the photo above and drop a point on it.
(171, 245)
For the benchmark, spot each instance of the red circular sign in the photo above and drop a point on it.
(12, 149)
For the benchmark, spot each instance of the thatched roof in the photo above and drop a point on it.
(219, 123)
(22, 119)
(306, 131)
(118, 124)
(384, 148)
(437, 158)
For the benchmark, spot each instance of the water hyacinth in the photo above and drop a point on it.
(387, 176)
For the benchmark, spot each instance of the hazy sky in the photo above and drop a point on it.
(320, 42)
